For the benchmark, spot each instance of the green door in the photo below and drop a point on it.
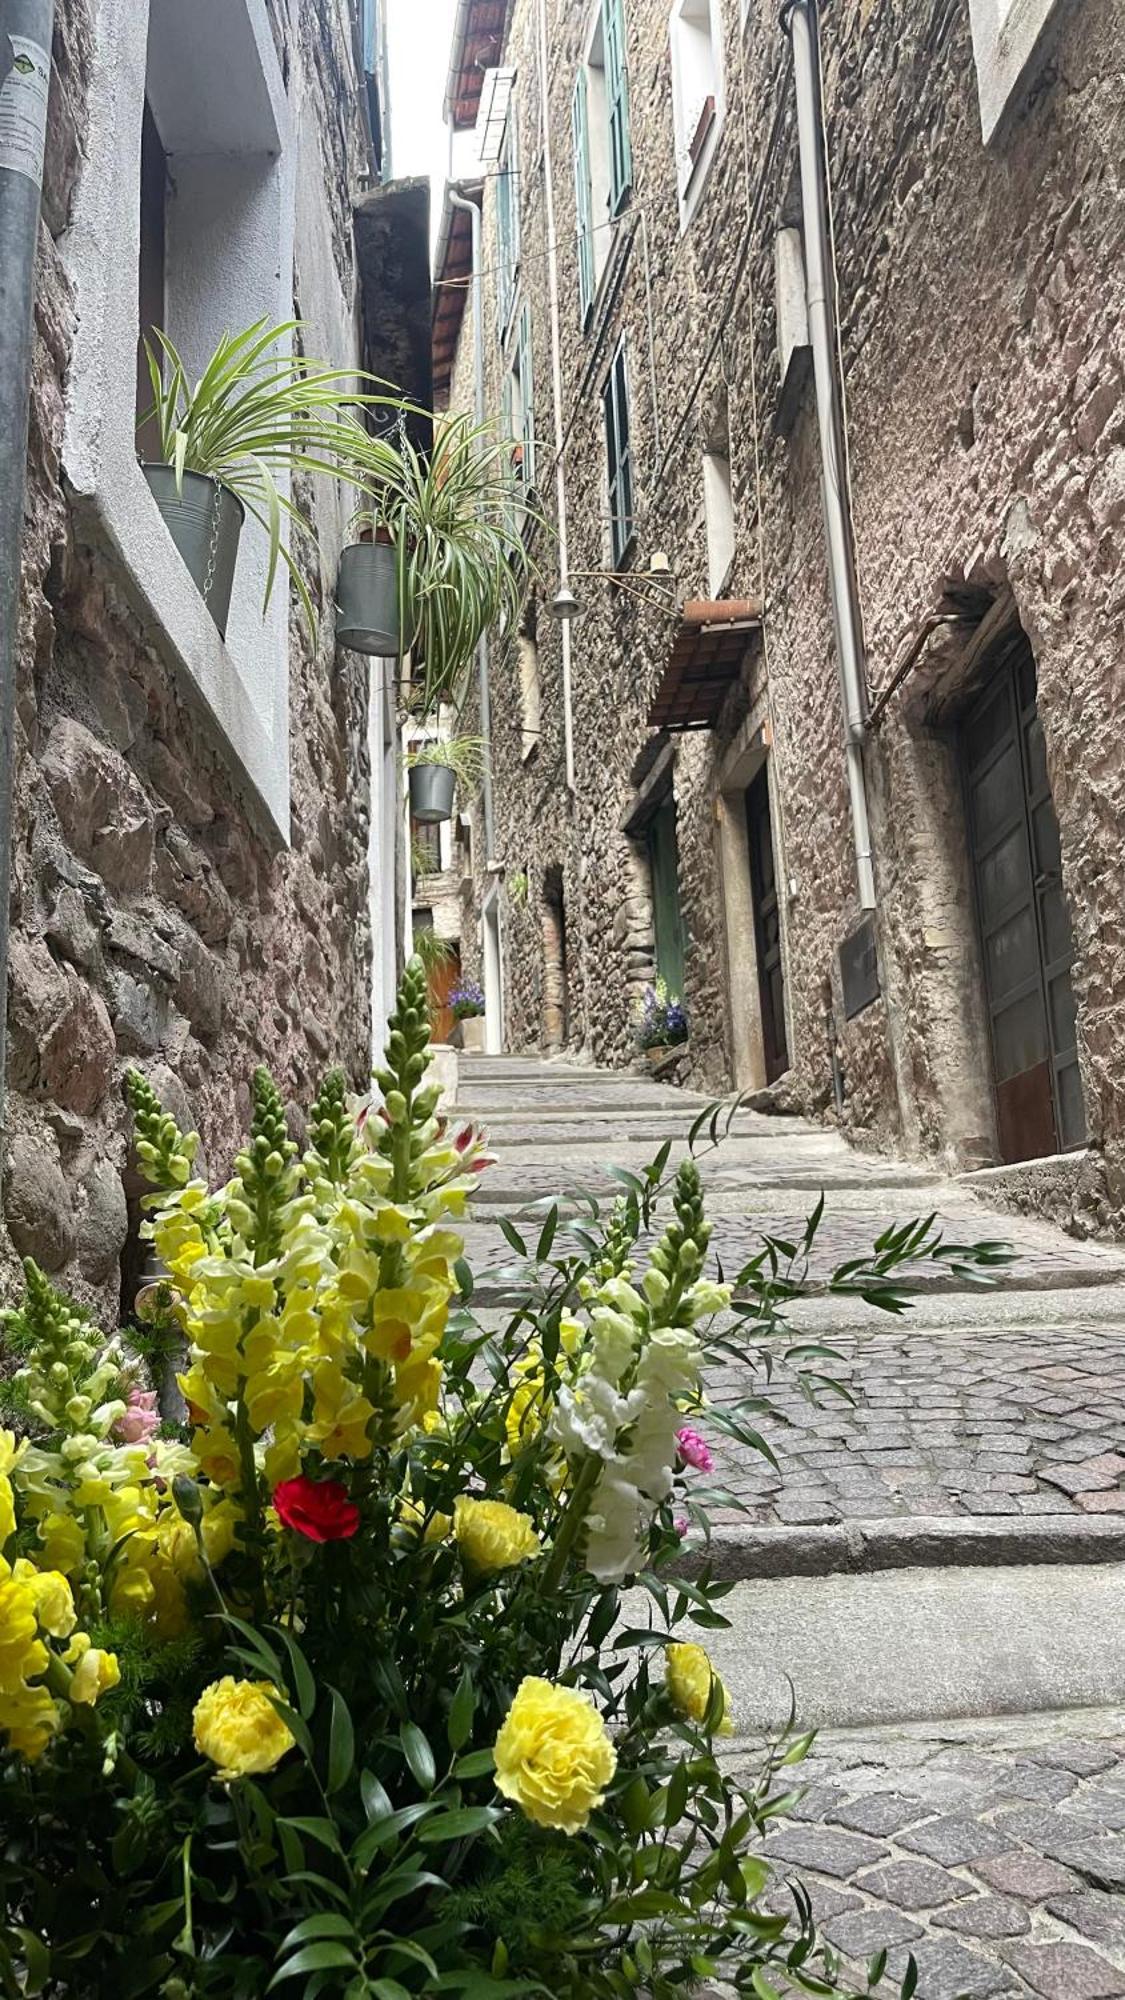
(664, 866)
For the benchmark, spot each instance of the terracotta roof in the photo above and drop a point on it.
(453, 272)
(478, 37)
(706, 658)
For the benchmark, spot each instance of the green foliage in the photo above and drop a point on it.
(257, 412)
(461, 557)
(463, 755)
(375, 1858)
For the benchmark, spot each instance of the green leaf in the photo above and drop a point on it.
(458, 1824)
(547, 1234)
(477, 1764)
(376, 1801)
(341, 1743)
(326, 1924)
(314, 1958)
(384, 1832)
(304, 1685)
(322, 1830)
(461, 1712)
(418, 1754)
(513, 1236)
(388, 1989)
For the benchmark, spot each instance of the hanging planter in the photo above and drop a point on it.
(431, 793)
(204, 519)
(367, 610)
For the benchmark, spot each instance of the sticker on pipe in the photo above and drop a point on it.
(23, 108)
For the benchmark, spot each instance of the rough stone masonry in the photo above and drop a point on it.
(981, 308)
(152, 920)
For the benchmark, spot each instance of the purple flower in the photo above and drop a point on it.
(682, 1526)
(694, 1450)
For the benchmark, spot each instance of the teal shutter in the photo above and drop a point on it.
(617, 98)
(582, 198)
(510, 518)
(508, 220)
(527, 394)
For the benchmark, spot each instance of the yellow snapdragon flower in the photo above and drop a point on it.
(554, 1758)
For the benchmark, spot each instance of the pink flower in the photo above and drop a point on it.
(694, 1450)
(471, 1142)
(141, 1420)
(682, 1525)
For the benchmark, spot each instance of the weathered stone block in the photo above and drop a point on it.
(38, 1203)
(78, 1053)
(103, 811)
(103, 1222)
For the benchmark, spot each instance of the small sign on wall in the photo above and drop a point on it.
(859, 969)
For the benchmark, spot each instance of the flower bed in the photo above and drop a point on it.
(328, 1692)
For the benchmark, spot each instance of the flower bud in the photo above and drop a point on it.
(188, 1499)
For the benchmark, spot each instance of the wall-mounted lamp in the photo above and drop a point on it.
(566, 607)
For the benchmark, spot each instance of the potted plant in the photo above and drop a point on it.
(663, 1023)
(255, 412)
(435, 768)
(467, 1004)
(442, 529)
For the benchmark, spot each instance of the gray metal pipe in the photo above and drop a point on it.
(458, 200)
(801, 21)
(26, 28)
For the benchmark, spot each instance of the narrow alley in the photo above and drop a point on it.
(934, 1568)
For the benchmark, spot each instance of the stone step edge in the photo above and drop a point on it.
(748, 1554)
(1060, 1278)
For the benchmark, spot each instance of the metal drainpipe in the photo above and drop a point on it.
(26, 28)
(458, 200)
(800, 21)
(556, 387)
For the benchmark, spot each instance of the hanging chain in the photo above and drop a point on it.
(213, 551)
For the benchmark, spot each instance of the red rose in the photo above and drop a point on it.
(318, 1509)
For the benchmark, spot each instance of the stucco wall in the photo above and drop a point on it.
(154, 919)
(981, 304)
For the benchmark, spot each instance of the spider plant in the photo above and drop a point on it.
(434, 951)
(455, 519)
(258, 411)
(463, 755)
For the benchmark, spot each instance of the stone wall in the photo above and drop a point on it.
(152, 922)
(981, 295)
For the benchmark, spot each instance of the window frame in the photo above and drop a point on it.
(616, 406)
(601, 136)
(1009, 38)
(695, 148)
(242, 684)
(508, 246)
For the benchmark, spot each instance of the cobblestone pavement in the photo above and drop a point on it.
(992, 1850)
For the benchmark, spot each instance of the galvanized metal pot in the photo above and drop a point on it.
(431, 793)
(205, 522)
(367, 618)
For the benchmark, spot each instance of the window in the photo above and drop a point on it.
(508, 221)
(519, 408)
(718, 513)
(1009, 37)
(619, 459)
(150, 271)
(695, 32)
(527, 647)
(794, 353)
(667, 919)
(603, 157)
(190, 175)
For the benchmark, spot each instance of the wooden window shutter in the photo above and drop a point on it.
(582, 198)
(617, 97)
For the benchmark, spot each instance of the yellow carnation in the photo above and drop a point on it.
(554, 1758)
(239, 1729)
(493, 1535)
(94, 1675)
(690, 1679)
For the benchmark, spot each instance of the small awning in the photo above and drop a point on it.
(706, 658)
(479, 28)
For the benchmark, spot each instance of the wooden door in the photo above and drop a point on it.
(443, 977)
(1027, 949)
(668, 923)
(767, 925)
